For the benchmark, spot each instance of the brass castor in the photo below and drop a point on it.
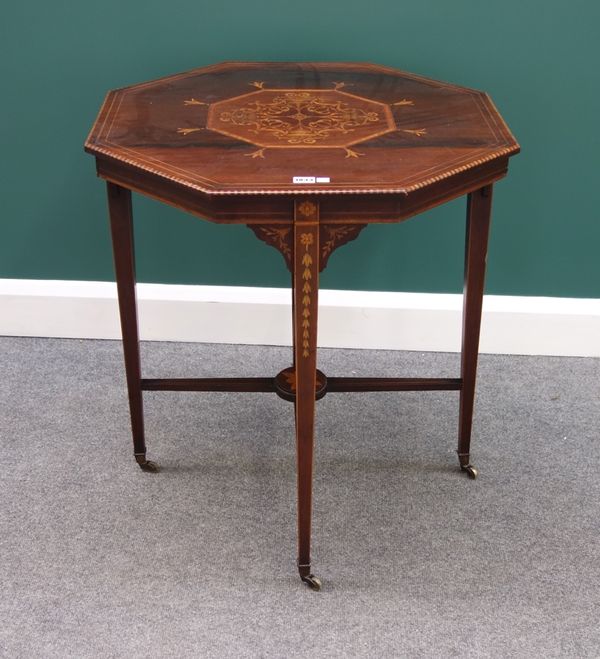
(472, 472)
(314, 583)
(147, 465)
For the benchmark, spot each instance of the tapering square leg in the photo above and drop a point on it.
(121, 225)
(305, 308)
(479, 205)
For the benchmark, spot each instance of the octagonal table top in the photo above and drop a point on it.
(268, 128)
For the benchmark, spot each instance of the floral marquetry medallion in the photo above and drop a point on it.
(284, 118)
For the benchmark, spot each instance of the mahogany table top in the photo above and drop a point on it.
(300, 128)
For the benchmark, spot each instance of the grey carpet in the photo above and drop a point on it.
(98, 559)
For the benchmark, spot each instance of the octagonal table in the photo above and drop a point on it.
(306, 155)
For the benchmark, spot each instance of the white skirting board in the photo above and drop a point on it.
(347, 319)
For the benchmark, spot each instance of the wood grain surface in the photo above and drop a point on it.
(251, 128)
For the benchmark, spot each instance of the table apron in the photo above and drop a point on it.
(253, 209)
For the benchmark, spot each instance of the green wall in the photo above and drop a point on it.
(538, 59)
